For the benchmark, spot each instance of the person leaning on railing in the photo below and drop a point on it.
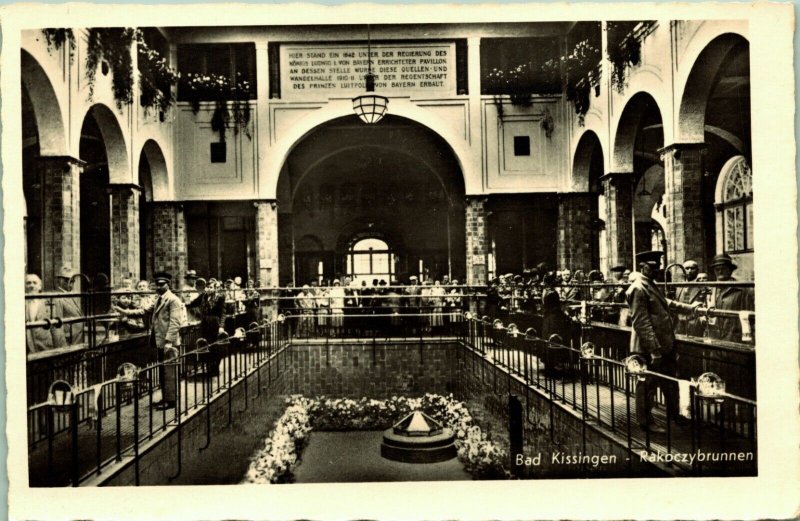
(38, 339)
(729, 298)
(211, 306)
(68, 307)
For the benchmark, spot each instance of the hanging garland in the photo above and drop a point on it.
(111, 46)
(625, 48)
(515, 83)
(581, 74)
(232, 105)
(156, 78)
(56, 38)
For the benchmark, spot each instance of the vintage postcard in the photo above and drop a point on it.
(400, 261)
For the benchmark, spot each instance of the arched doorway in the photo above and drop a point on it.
(152, 176)
(396, 180)
(639, 140)
(716, 106)
(587, 171)
(102, 149)
(43, 151)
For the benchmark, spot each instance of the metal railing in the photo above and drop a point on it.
(70, 438)
(602, 390)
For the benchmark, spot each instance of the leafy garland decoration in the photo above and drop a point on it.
(581, 74)
(231, 99)
(512, 83)
(156, 78)
(625, 48)
(112, 46)
(56, 38)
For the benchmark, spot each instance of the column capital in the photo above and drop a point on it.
(616, 177)
(68, 160)
(272, 202)
(125, 186)
(676, 147)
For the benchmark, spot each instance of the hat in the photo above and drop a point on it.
(336, 281)
(650, 257)
(413, 277)
(620, 268)
(202, 282)
(690, 263)
(723, 259)
(163, 275)
(190, 274)
(66, 272)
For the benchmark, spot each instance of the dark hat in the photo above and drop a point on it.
(190, 274)
(650, 257)
(619, 268)
(202, 282)
(722, 260)
(163, 275)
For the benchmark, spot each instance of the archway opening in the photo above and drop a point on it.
(587, 171)
(396, 181)
(95, 209)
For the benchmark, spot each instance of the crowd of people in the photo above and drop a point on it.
(329, 307)
(341, 306)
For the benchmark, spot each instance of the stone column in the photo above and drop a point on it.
(477, 246)
(169, 239)
(619, 218)
(576, 231)
(124, 232)
(61, 228)
(267, 242)
(683, 199)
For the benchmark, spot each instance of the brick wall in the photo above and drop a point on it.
(169, 239)
(619, 210)
(477, 247)
(683, 198)
(481, 383)
(376, 370)
(62, 212)
(577, 247)
(124, 233)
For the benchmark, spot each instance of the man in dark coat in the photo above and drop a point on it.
(211, 304)
(731, 299)
(653, 337)
(689, 295)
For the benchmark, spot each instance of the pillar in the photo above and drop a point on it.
(619, 218)
(577, 235)
(169, 239)
(683, 199)
(477, 246)
(61, 215)
(124, 232)
(267, 242)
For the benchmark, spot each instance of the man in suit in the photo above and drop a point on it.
(729, 298)
(68, 307)
(690, 295)
(165, 322)
(653, 336)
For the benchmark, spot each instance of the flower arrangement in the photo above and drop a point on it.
(156, 77)
(273, 464)
(231, 99)
(581, 71)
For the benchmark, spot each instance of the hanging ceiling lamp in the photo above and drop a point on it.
(370, 107)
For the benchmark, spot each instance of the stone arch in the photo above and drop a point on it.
(337, 109)
(116, 149)
(585, 162)
(46, 109)
(639, 106)
(700, 81)
(159, 173)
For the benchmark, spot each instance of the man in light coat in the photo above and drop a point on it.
(653, 337)
(164, 334)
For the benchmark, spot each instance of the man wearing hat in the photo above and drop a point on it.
(164, 334)
(653, 337)
(729, 298)
(67, 307)
(690, 295)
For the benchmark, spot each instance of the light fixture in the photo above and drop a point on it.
(370, 107)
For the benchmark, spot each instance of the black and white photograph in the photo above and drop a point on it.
(393, 250)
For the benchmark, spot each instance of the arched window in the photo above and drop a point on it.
(370, 259)
(734, 202)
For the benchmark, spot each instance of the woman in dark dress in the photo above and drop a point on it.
(211, 304)
(556, 322)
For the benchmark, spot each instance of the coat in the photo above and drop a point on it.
(732, 299)
(68, 307)
(165, 319)
(211, 308)
(38, 339)
(653, 329)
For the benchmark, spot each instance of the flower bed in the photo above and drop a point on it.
(281, 452)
